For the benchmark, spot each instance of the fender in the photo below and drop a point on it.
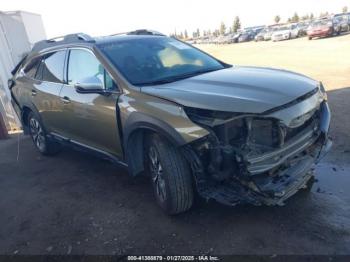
(133, 138)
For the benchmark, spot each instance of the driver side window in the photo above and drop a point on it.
(83, 64)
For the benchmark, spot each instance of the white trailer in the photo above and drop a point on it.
(19, 31)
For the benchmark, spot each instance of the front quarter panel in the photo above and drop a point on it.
(139, 110)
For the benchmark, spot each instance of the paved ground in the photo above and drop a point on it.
(74, 203)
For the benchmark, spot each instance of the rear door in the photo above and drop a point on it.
(47, 87)
(90, 119)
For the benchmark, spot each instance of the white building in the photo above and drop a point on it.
(19, 31)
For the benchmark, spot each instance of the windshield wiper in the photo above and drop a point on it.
(177, 78)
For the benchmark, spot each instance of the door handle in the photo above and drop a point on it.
(65, 100)
(34, 92)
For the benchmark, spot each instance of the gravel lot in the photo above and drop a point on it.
(74, 203)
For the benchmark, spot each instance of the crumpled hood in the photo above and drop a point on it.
(236, 89)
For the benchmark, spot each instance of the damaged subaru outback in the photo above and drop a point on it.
(163, 108)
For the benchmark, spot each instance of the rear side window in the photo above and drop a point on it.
(52, 67)
(31, 68)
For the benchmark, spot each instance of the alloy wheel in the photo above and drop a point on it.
(37, 134)
(157, 174)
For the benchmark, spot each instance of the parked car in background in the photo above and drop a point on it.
(234, 38)
(282, 33)
(269, 32)
(323, 28)
(246, 36)
(342, 22)
(295, 30)
(303, 27)
(261, 35)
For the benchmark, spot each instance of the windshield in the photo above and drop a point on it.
(157, 60)
(321, 22)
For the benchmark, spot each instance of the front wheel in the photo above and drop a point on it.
(170, 175)
(39, 136)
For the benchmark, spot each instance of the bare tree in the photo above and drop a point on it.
(345, 9)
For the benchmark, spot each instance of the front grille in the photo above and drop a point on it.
(312, 122)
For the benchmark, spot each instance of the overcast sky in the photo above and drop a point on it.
(102, 17)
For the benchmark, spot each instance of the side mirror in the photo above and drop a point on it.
(90, 85)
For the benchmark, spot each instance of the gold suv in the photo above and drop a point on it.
(166, 109)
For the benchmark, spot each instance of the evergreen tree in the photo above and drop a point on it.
(222, 28)
(236, 24)
(277, 19)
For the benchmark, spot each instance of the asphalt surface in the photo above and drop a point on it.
(74, 203)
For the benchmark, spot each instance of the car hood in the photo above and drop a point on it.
(236, 89)
(319, 27)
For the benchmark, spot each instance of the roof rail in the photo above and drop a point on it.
(67, 39)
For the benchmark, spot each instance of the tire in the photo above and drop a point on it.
(39, 136)
(170, 175)
(310, 38)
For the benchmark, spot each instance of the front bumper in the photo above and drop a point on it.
(275, 176)
(320, 33)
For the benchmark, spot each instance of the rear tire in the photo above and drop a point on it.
(170, 175)
(39, 136)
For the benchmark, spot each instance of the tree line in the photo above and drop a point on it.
(237, 25)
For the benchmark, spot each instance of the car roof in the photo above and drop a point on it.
(81, 39)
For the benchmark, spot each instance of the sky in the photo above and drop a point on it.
(102, 17)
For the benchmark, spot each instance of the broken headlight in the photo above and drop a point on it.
(323, 91)
(241, 131)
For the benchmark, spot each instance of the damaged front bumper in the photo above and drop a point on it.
(269, 178)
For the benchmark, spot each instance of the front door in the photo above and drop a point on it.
(90, 119)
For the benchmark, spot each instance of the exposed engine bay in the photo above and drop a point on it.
(259, 158)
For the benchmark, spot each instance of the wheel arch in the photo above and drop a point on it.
(136, 129)
(25, 111)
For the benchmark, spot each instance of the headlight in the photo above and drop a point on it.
(238, 130)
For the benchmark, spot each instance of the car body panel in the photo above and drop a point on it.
(42, 96)
(237, 89)
(161, 110)
(91, 119)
